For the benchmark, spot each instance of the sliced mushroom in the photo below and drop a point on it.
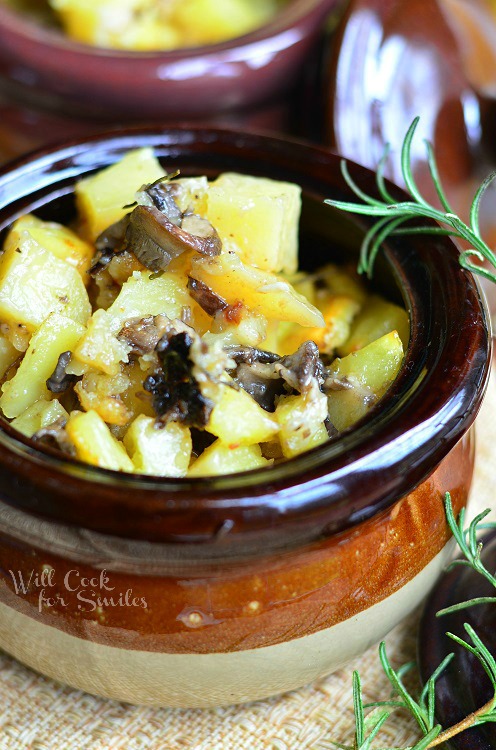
(155, 240)
(250, 354)
(59, 381)
(266, 375)
(206, 298)
(163, 196)
(109, 242)
(143, 334)
(263, 389)
(176, 393)
(302, 368)
(55, 436)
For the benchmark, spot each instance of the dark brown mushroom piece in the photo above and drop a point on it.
(265, 375)
(249, 355)
(163, 195)
(108, 243)
(176, 393)
(208, 300)
(302, 368)
(59, 381)
(55, 436)
(143, 334)
(263, 389)
(155, 240)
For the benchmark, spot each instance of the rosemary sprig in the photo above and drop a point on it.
(471, 549)
(392, 215)
(422, 708)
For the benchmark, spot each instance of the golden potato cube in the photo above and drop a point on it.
(260, 216)
(338, 313)
(59, 240)
(118, 24)
(210, 21)
(192, 193)
(260, 291)
(366, 375)
(236, 418)
(301, 419)
(34, 283)
(56, 335)
(342, 282)
(248, 328)
(377, 318)
(101, 198)
(140, 296)
(40, 414)
(8, 355)
(219, 459)
(163, 451)
(102, 393)
(95, 444)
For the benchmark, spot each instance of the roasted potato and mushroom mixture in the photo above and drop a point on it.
(169, 331)
(151, 24)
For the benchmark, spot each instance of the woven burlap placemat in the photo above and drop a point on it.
(38, 714)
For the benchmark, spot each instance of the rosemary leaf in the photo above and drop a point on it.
(417, 208)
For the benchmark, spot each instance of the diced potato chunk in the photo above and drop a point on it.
(236, 418)
(164, 451)
(377, 318)
(368, 372)
(95, 444)
(35, 283)
(210, 21)
(152, 25)
(40, 414)
(246, 328)
(260, 216)
(140, 296)
(56, 335)
(301, 419)
(342, 282)
(119, 24)
(338, 312)
(219, 459)
(102, 198)
(259, 290)
(8, 355)
(101, 393)
(192, 193)
(59, 240)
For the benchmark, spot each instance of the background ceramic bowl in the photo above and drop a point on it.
(52, 87)
(394, 60)
(228, 589)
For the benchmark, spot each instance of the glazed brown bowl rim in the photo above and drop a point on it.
(346, 482)
(19, 25)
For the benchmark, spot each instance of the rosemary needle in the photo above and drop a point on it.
(422, 708)
(393, 217)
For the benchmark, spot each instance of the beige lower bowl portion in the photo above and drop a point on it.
(200, 680)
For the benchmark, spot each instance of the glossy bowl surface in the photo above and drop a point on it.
(52, 88)
(258, 582)
(393, 60)
(457, 698)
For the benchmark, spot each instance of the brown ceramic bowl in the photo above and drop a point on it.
(227, 589)
(52, 87)
(393, 60)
